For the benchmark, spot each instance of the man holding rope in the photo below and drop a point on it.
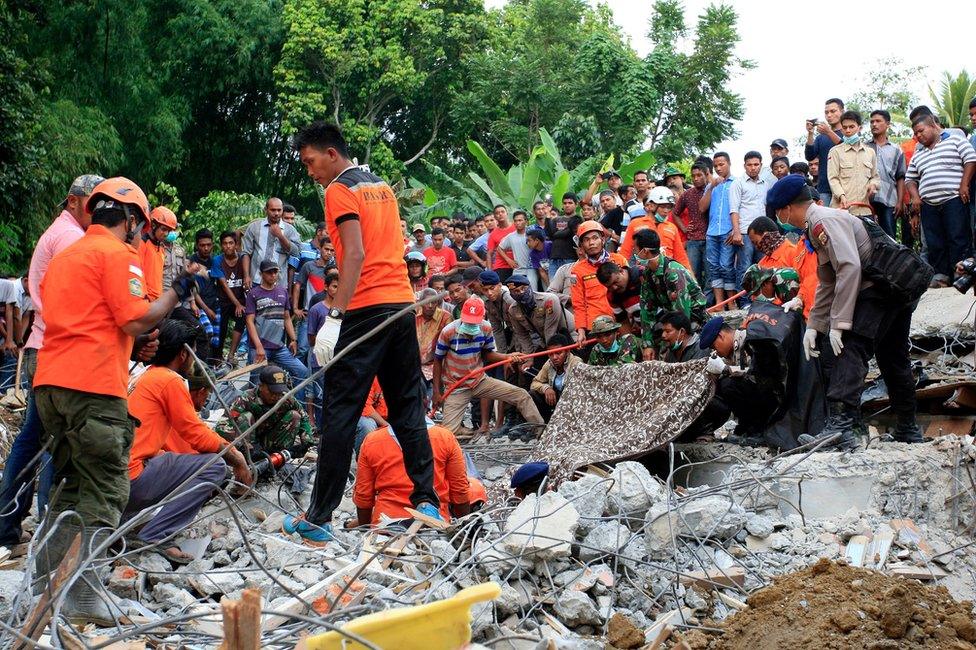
(364, 224)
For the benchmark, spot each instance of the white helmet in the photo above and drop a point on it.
(661, 196)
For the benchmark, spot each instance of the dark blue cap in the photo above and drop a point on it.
(782, 193)
(518, 280)
(489, 277)
(537, 232)
(529, 473)
(710, 332)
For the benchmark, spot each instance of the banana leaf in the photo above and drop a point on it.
(551, 149)
(486, 188)
(497, 178)
(641, 163)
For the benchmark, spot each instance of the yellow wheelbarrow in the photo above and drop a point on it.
(441, 625)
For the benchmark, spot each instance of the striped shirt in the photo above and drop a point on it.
(461, 354)
(938, 170)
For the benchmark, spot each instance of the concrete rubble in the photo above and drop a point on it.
(612, 558)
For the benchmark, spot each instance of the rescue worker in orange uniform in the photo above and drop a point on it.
(588, 294)
(162, 229)
(94, 306)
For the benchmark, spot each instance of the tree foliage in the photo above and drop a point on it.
(888, 86)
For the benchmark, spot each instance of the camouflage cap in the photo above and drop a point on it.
(604, 324)
(786, 281)
(199, 377)
(754, 277)
(82, 186)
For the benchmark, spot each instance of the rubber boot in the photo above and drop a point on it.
(907, 430)
(840, 420)
(48, 557)
(86, 600)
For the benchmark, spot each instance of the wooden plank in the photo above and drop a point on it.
(734, 603)
(931, 572)
(944, 426)
(240, 372)
(242, 621)
(296, 606)
(964, 396)
(856, 549)
(708, 580)
(39, 617)
(908, 534)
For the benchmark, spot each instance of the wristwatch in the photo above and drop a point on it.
(335, 313)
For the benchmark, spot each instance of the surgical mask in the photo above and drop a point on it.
(171, 237)
(788, 227)
(851, 139)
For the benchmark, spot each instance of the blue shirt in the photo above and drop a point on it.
(307, 253)
(719, 214)
(821, 146)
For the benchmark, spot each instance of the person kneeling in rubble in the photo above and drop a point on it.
(162, 404)
(285, 434)
(383, 487)
(755, 367)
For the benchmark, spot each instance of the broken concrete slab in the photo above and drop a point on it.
(716, 517)
(588, 494)
(634, 490)
(543, 526)
(608, 537)
(575, 608)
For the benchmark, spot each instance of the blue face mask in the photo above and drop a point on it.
(609, 350)
(851, 139)
(171, 237)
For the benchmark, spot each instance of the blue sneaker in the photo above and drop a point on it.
(311, 534)
(428, 509)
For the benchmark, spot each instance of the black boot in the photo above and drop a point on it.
(840, 420)
(907, 430)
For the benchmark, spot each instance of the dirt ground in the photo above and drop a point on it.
(833, 606)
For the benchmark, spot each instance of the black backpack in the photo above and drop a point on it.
(895, 268)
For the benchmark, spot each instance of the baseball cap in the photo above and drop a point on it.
(274, 378)
(610, 172)
(779, 142)
(418, 226)
(82, 186)
(472, 315)
(268, 265)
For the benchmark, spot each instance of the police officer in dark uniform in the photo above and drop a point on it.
(862, 308)
(755, 370)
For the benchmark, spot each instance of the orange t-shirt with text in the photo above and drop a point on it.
(365, 197)
(91, 289)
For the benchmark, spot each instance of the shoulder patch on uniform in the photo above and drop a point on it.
(820, 234)
(135, 270)
(135, 287)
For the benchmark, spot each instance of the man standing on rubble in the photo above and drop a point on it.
(853, 317)
(364, 225)
(94, 304)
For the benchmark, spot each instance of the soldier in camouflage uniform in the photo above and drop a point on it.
(774, 285)
(666, 286)
(288, 428)
(612, 349)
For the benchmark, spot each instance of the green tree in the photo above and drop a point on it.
(380, 68)
(951, 103)
(887, 86)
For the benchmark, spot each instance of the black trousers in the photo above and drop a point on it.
(879, 329)
(226, 316)
(393, 356)
(752, 401)
(545, 410)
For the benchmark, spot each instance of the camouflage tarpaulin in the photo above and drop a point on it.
(610, 414)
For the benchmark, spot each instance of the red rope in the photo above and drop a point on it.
(726, 301)
(463, 379)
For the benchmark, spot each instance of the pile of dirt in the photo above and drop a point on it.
(834, 606)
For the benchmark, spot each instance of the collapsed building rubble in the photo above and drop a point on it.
(695, 546)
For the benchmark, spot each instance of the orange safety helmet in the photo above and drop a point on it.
(164, 217)
(590, 226)
(118, 190)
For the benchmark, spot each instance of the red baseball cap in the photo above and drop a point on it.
(473, 311)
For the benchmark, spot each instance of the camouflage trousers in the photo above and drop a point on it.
(90, 437)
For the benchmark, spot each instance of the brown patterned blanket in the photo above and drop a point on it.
(615, 413)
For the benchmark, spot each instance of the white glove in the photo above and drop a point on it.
(836, 342)
(325, 340)
(795, 304)
(809, 344)
(715, 366)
